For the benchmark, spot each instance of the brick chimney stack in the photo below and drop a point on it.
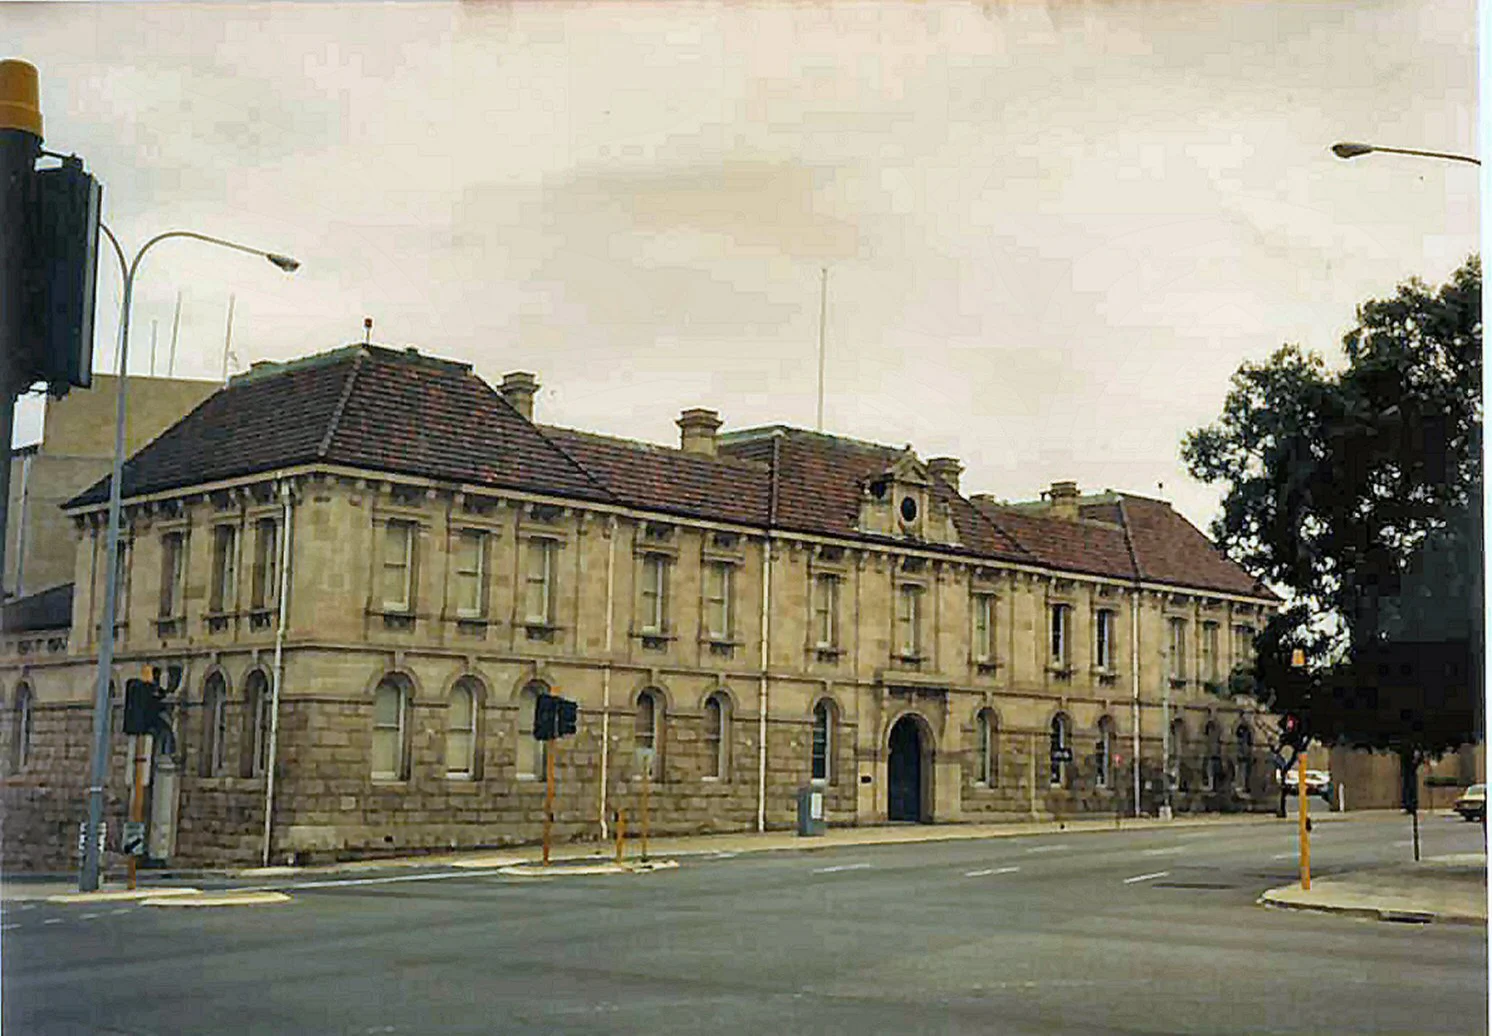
(697, 428)
(1064, 498)
(946, 468)
(519, 389)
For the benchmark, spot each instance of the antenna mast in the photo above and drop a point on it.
(175, 326)
(228, 338)
(823, 308)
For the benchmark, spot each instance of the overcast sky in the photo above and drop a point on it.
(1053, 230)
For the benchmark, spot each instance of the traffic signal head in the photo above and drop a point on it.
(568, 713)
(546, 709)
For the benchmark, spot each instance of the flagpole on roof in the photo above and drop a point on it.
(175, 326)
(823, 308)
(228, 338)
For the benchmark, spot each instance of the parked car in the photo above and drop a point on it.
(1318, 782)
(1472, 805)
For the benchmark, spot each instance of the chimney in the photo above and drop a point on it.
(1064, 498)
(946, 468)
(519, 388)
(697, 429)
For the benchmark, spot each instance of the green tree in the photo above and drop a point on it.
(1355, 490)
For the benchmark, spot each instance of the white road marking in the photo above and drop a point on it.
(8, 927)
(992, 870)
(32, 906)
(52, 920)
(1284, 856)
(90, 917)
(342, 882)
(843, 867)
(121, 910)
(1165, 852)
(1047, 848)
(1145, 877)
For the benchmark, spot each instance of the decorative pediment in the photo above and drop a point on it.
(900, 502)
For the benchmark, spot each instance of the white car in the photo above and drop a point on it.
(1318, 782)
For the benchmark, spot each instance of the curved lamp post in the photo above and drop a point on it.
(1348, 149)
(89, 879)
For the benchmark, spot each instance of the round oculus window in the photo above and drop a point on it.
(908, 509)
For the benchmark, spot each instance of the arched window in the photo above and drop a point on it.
(986, 729)
(1212, 769)
(214, 725)
(390, 723)
(530, 754)
(648, 733)
(1104, 771)
(21, 752)
(1178, 749)
(717, 736)
(1061, 742)
(461, 729)
(257, 716)
(823, 740)
(1243, 773)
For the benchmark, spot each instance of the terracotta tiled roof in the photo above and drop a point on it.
(642, 475)
(365, 407)
(1125, 537)
(1097, 548)
(817, 482)
(1170, 549)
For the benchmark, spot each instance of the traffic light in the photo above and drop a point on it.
(146, 710)
(62, 235)
(553, 717)
(1292, 731)
(568, 711)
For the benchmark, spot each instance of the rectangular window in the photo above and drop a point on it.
(1176, 660)
(173, 569)
(1243, 645)
(1103, 639)
(909, 620)
(266, 573)
(825, 611)
(718, 586)
(471, 574)
(1209, 651)
(224, 568)
(1061, 621)
(538, 607)
(984, 628)
(121, 583)
(654, 593)
(398, 567)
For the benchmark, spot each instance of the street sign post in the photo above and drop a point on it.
(103, 831)
(133, 843)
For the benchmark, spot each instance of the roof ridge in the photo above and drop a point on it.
(989, 520)
(585, 472)
(643, 444)
(1129, 542)
(341, 407)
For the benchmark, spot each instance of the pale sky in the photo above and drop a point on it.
(1053, 230)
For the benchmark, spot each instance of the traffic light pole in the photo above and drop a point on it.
(20, 147)
(549, 747)
(137, 801)
(1305, 823)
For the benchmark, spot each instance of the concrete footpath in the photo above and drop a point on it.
(30, 887)
(1450, 889)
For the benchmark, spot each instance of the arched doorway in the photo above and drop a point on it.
(908, 770)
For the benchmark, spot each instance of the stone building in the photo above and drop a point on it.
(410, 557)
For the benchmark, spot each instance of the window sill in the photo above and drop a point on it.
(397, 620)
(461, 778)
(723, 648)
(540, 631)
(170, 627)
(474, 626)
(527, 778)
(908, 660)
(1061, 670)
(828, 654)
(261, 618)
(388, 781)
(986, 667)
(1177, 683)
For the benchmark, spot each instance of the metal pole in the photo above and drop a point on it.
(175, 327)
(98, 772)
(762, 690)
(549, 747)
(823, 308)
(137, 800)
(610, 534)
(274, 707)
(1305, 824)
(228, 338)
(155, 326)
(1134, 663)
(647, 783)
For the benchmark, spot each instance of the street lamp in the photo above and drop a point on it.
(89, 879)
(1349, 149)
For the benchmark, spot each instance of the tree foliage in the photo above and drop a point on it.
(1355, 490)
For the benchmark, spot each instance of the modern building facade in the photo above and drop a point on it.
(370, 562)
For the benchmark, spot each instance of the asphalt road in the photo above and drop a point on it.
(1142, 932)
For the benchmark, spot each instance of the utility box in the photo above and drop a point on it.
(811, 811)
